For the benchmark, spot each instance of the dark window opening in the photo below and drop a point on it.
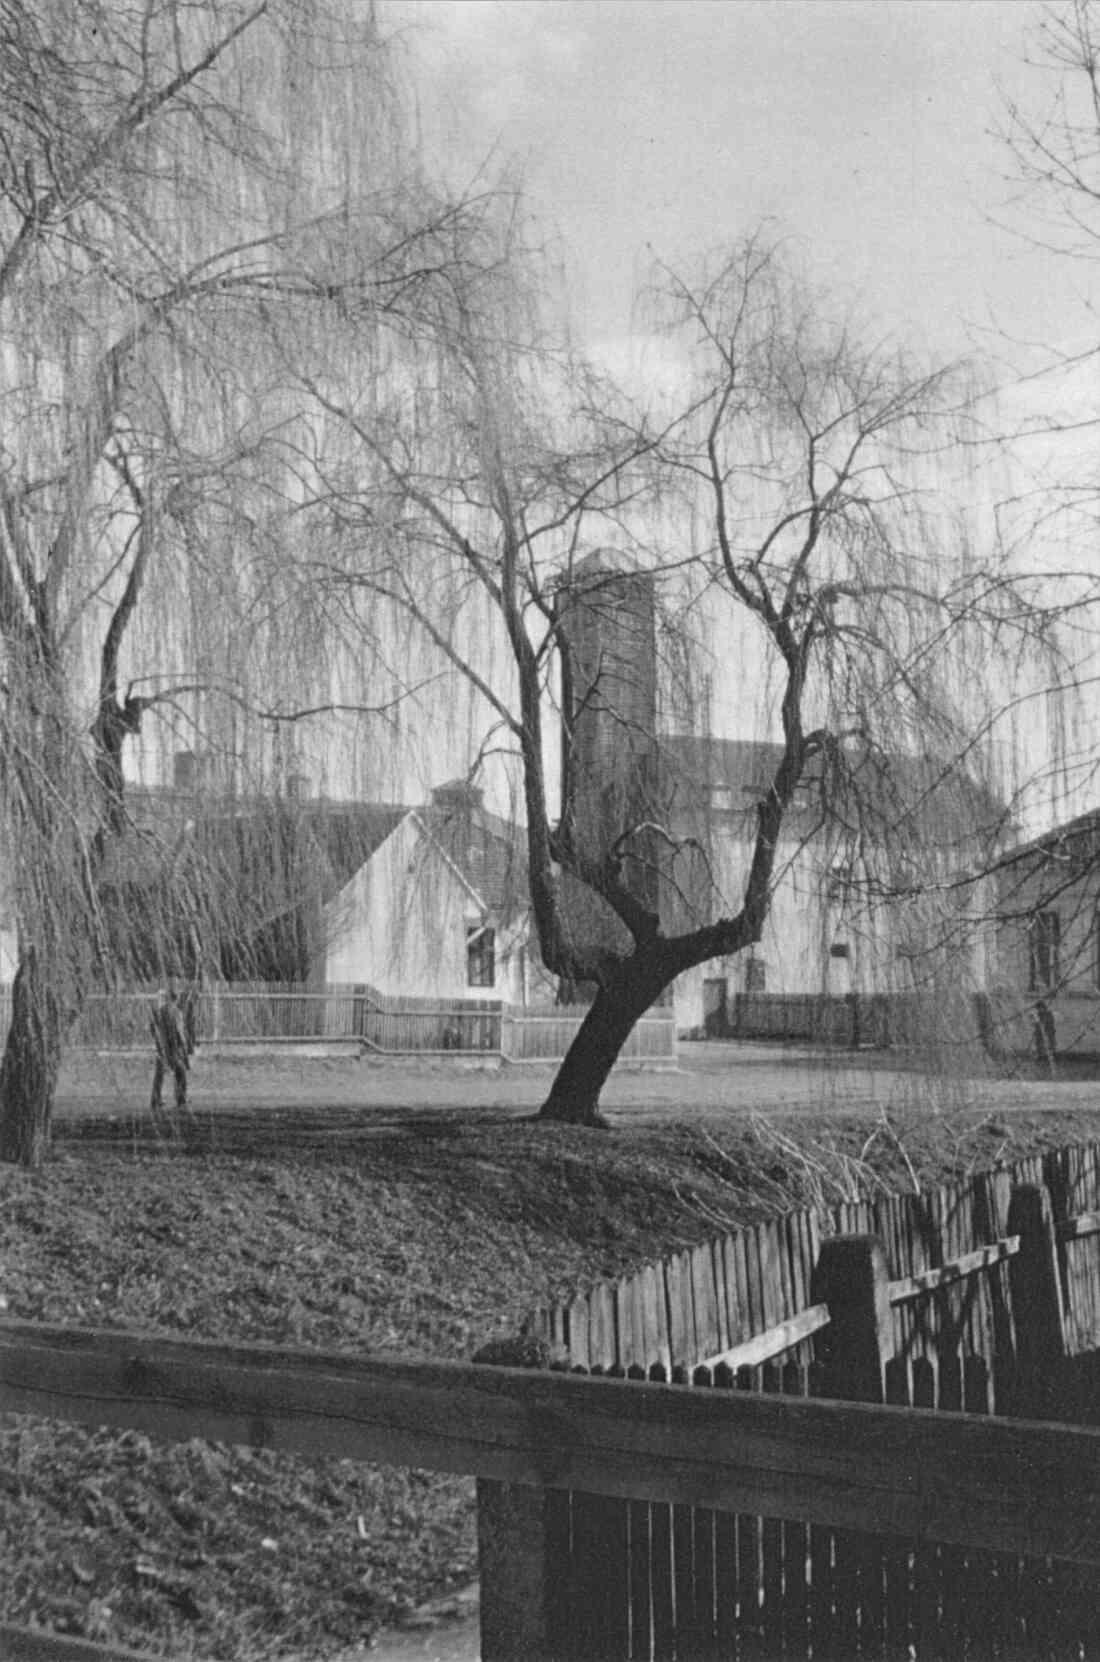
(841, 884)
(756, 976)
(481, 957)
(1044, 952)
(839, 949)
(715, 1003)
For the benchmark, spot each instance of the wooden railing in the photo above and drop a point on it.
(970, 1482)
(1005, 1485)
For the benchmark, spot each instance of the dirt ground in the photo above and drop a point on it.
(711, 1081)
(390, 1209)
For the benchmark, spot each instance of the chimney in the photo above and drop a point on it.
(457, 796)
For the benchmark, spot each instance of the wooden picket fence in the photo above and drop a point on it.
(851, 1020)
(983, 1299)
(360, 1017)
(731, 1452)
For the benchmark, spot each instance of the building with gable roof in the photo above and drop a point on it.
(871, 893)
(415, 901)
(1044, 983)
(438, 908)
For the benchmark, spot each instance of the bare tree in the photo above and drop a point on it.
(785, 492)
(1044, 907)
(182, 186)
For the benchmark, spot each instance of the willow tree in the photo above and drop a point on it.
(1051, 135)
(564, 553)
(182, 184)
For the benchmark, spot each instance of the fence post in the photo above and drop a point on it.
(514, 1543)
(1037, 1305)
(851, 1277)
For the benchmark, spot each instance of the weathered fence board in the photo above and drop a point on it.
(259, 1014)
(1006, 1485)
(933, 1321)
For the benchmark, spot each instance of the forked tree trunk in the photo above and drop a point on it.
(616, 1009)
(32, 1060)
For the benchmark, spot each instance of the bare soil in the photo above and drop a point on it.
(388, 1210)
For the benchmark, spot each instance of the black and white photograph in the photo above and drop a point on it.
(550, 830)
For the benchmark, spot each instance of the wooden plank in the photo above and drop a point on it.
(656, 1316)
(725, 1557)
(1007, 1485)
(799, 1280)
(718, 1262)
(681, 1314)
(750, 1564)
(970, 1263)
(698, 1642)
(766, 1346)
(771, 1547)
(851, 1279)
(516, 1565)
(794, 1633)
(626, 1298)
(602, 1344)
(926, 1570)
(787, 1306)
(897, 1556)
(1038, 1303)
(704, 1296)
(772, 1306)
(755, 1280)
(737, 1288)
(600, 1528)
(578, 1332)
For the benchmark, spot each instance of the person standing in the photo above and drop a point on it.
(171, 1047)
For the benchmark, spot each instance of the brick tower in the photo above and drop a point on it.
(607, 615)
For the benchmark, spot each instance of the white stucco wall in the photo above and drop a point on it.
(400, 926)
(1036, 886)
(896, 946)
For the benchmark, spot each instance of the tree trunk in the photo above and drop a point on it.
(575, 1094)
(32, 1059)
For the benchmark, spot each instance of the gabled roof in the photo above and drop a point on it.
(867, 790)
(345, 834)
(1076, 843)
(331, 839)
(489, 851)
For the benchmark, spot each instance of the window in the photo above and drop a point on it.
(715, 1001)
(756, 976)
(481, 956)
(841, 884)
(1044, 938)
(839, 949)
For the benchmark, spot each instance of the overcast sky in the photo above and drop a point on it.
(867, 127)
(870, 129)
